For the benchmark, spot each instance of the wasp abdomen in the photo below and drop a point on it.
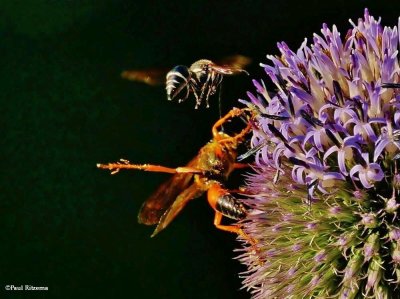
(177, 80)
(230, 207)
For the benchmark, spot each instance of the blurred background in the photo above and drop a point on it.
(64, 107)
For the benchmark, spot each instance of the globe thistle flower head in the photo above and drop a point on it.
(325, 187)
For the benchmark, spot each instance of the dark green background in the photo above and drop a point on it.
(66, 225)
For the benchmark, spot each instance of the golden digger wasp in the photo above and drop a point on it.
(207, 172)
(202, 78)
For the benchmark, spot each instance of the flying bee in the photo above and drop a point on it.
(206, 172)
(202, 78)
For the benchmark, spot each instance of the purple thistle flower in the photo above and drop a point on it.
(325, 190)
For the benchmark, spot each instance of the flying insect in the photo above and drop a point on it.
(206, 172)
(202, 78)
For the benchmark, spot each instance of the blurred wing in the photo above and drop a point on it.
(235, 61)
(162, 199)
(232, 65)
(151, 77)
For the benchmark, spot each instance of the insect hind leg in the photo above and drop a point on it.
(206, 89)
(214, 85)
(215, 194)
(232, 229)
(195, 89)
(125, 164)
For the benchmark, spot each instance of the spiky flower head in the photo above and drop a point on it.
(326, 178)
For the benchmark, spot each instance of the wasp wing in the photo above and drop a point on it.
(151, 77)
(192, 192)
(156, 205)
(232, 65)
(165, 195)
(235, 61)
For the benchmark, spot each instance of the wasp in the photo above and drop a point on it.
(202, 78)
(206, 172)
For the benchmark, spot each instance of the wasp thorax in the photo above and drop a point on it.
(201, 65)
(200, 70)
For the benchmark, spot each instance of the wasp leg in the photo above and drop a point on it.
(207, 96)
(232, 113)
(232, 229)
(220, 198)
(178, 91)
(124, 164)
(214, 84)
(228, 228)
(194, 86)
(207, 88)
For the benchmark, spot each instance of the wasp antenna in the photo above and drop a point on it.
(251, 151)
(390, 85)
